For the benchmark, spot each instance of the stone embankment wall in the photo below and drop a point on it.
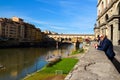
(15, 44)
(94, 65)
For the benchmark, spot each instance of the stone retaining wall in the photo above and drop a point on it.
(94, 65)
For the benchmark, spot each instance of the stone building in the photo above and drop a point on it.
(39, 35)
(15, 28)
(11, 29)
(108, 20)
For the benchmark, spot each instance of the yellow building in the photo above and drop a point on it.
(10, 29)
(38, 35)
(29, 32)
(16, 29)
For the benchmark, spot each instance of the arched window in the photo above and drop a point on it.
(99, 23)
(106, 17)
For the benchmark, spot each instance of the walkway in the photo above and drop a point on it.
(116, 62)
(117, 51)
(94, 65)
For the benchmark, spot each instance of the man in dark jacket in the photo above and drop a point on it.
(106, 46)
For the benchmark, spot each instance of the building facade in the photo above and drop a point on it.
(11, 29)
(108, 20)
(15, 28)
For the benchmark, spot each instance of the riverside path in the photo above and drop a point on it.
(94, 65)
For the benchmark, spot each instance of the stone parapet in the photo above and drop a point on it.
(94, 65)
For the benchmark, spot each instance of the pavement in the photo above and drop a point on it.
(117, 52)
(116, 61)
(94, 65)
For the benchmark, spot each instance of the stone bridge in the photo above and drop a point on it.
(72, 38)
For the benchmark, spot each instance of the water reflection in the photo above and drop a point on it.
(20, 61)
(17, 63)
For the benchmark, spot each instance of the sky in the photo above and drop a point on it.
(61, 16)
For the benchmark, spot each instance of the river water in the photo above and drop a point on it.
(16, 63)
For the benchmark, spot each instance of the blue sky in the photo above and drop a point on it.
(61, 16)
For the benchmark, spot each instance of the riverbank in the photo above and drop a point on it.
(58, 70)
(17, 44)
(49, 73)
(42, 44)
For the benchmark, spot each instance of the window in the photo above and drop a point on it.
(106, 17)
(111, 32)
(102, 6)
(99, 23)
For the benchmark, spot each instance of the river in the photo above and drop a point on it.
(16, 63)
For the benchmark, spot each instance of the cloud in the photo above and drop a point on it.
(58, 28)
(8, 13)
(92, 0)
(48, 2)
(47, 24)
(64, 16)
(33, 20)
(69, 7)
(49, 11)
(42, 1)
(81, 25)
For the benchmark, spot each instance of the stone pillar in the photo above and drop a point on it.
(116, 34)
(76, 44)
(109, 32)
(106, 31)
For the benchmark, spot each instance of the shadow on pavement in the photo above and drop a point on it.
(116, 63)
